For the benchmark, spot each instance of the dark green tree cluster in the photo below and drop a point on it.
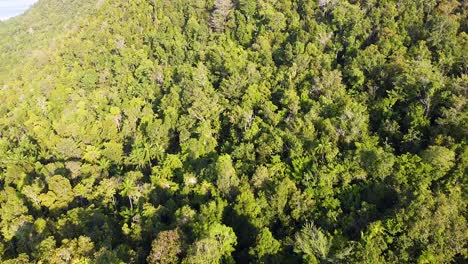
(234, 131)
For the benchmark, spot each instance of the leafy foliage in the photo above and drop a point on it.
(222, 131)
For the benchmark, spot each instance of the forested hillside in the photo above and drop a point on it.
(234, 131)
(23, 36)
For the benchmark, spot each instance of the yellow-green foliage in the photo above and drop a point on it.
(234, 131)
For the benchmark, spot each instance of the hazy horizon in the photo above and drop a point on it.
(12, 8)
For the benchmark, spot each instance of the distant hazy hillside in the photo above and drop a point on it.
(38, 28)
(234, 131)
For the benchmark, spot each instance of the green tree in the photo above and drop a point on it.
(13, 213)
(217, 244)
(59, 195)
(166, 248)
(227, 179)
(266, 246)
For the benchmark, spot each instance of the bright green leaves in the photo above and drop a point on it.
(317, 246)
(79, 250)
(247, 205)
(373, 244)
(441, 158)
(216, 245)
(227, 179)
(89, 79)
(412, 174)
(313, 243)
(420, 79)
(129, 187)
(92, 154)
(106, 190)
(221, 127)
(435, 226)
(266, 245)
(248, 7)
(59, 193)
(375, 160)
(32, 192)
(167, 169)
(13, 213)
(113, 151)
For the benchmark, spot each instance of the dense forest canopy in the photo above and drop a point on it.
(234, 131)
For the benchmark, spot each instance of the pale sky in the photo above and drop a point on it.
(11, 8)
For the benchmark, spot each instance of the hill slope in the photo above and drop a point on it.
(37, 29)
(234, 131)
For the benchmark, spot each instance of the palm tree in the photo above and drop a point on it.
(129, 189)
(321, 149)
(146, 153)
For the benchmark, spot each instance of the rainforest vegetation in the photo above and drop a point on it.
(234, 131)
